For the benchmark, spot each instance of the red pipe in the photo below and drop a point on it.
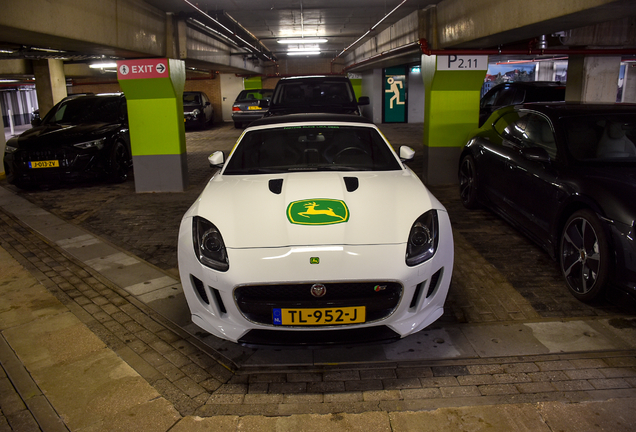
(596, 51)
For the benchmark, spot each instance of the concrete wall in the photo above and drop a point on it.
(415, 97)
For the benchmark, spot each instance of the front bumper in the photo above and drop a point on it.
(73, 166)
(212, 295)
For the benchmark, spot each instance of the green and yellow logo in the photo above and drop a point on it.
(317, 212)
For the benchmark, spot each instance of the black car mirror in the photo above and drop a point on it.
(263, 103)
(364, 100)
(36, 122)
(537, 154)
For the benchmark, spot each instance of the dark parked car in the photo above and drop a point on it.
(315, 94)
(197, 109)
(565, 175)
(519, 92)
(250, 105)
(81, 137)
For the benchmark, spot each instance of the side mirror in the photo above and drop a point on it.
(263, 103)
(406, 153)
(537, 154)
(364, 100)
(208, 104)
(36, 122)
(216, 159)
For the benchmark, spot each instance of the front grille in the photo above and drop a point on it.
(257, 301)
(64, 157)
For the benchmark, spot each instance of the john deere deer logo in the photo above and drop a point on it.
(317, 212)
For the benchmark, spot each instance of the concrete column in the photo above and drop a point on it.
(451, 111)
(592, 78)
(154, 94)
(50, 83)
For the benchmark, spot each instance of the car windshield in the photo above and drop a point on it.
(311, 148)
(314, 93)
(192, 99)
(250, 95)
(602, 137)
(85, 110)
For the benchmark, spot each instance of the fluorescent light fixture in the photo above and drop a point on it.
(302, 41)
(103, 65)
(9, 81)
(291, 53)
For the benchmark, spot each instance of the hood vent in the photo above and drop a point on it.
(351, 183)
(276, 186)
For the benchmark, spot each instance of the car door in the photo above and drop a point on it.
(495, 151)
(531, 188)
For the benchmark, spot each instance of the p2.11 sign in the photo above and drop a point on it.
(462, 62)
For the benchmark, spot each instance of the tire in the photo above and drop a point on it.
(584, 255)
(468, 182)
(119, 163)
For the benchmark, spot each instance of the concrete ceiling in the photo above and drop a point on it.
(340, 22)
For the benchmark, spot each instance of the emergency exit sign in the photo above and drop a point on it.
(462, 62)
(142, 69)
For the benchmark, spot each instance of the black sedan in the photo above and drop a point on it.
(565, 175)
(197, 109)
(82, 137)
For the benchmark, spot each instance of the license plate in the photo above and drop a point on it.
(322, 316)
(44, 164)
(254, 107)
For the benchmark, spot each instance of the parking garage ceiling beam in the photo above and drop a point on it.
(490, 23)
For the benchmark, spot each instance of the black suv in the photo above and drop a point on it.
(315, 94)
(83, 136)
(515, 93)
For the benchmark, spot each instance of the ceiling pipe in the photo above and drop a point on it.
(231, 34)
(371, 29)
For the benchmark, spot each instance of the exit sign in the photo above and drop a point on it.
(142, 68)
(462, 62)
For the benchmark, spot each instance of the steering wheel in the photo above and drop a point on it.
(350, 152)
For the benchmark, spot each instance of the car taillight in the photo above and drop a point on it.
(235, 108)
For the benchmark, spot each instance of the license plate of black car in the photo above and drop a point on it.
(44, 164)
(319, 316)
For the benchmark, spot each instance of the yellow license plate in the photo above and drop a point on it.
(322, 316)
(44, 164)
(254, 107)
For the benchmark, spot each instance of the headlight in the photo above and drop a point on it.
(10, 149)
(99, 144)
(208, 245)
(423, 239)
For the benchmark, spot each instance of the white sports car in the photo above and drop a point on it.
(313, 232)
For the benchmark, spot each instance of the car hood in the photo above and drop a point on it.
(62, 134)
(381, 210)
(613, 187)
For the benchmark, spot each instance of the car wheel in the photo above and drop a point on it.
(119, 163)
(468, 182)
(584, 255)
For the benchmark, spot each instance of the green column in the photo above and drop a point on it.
(452, 87)
(154, 93)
